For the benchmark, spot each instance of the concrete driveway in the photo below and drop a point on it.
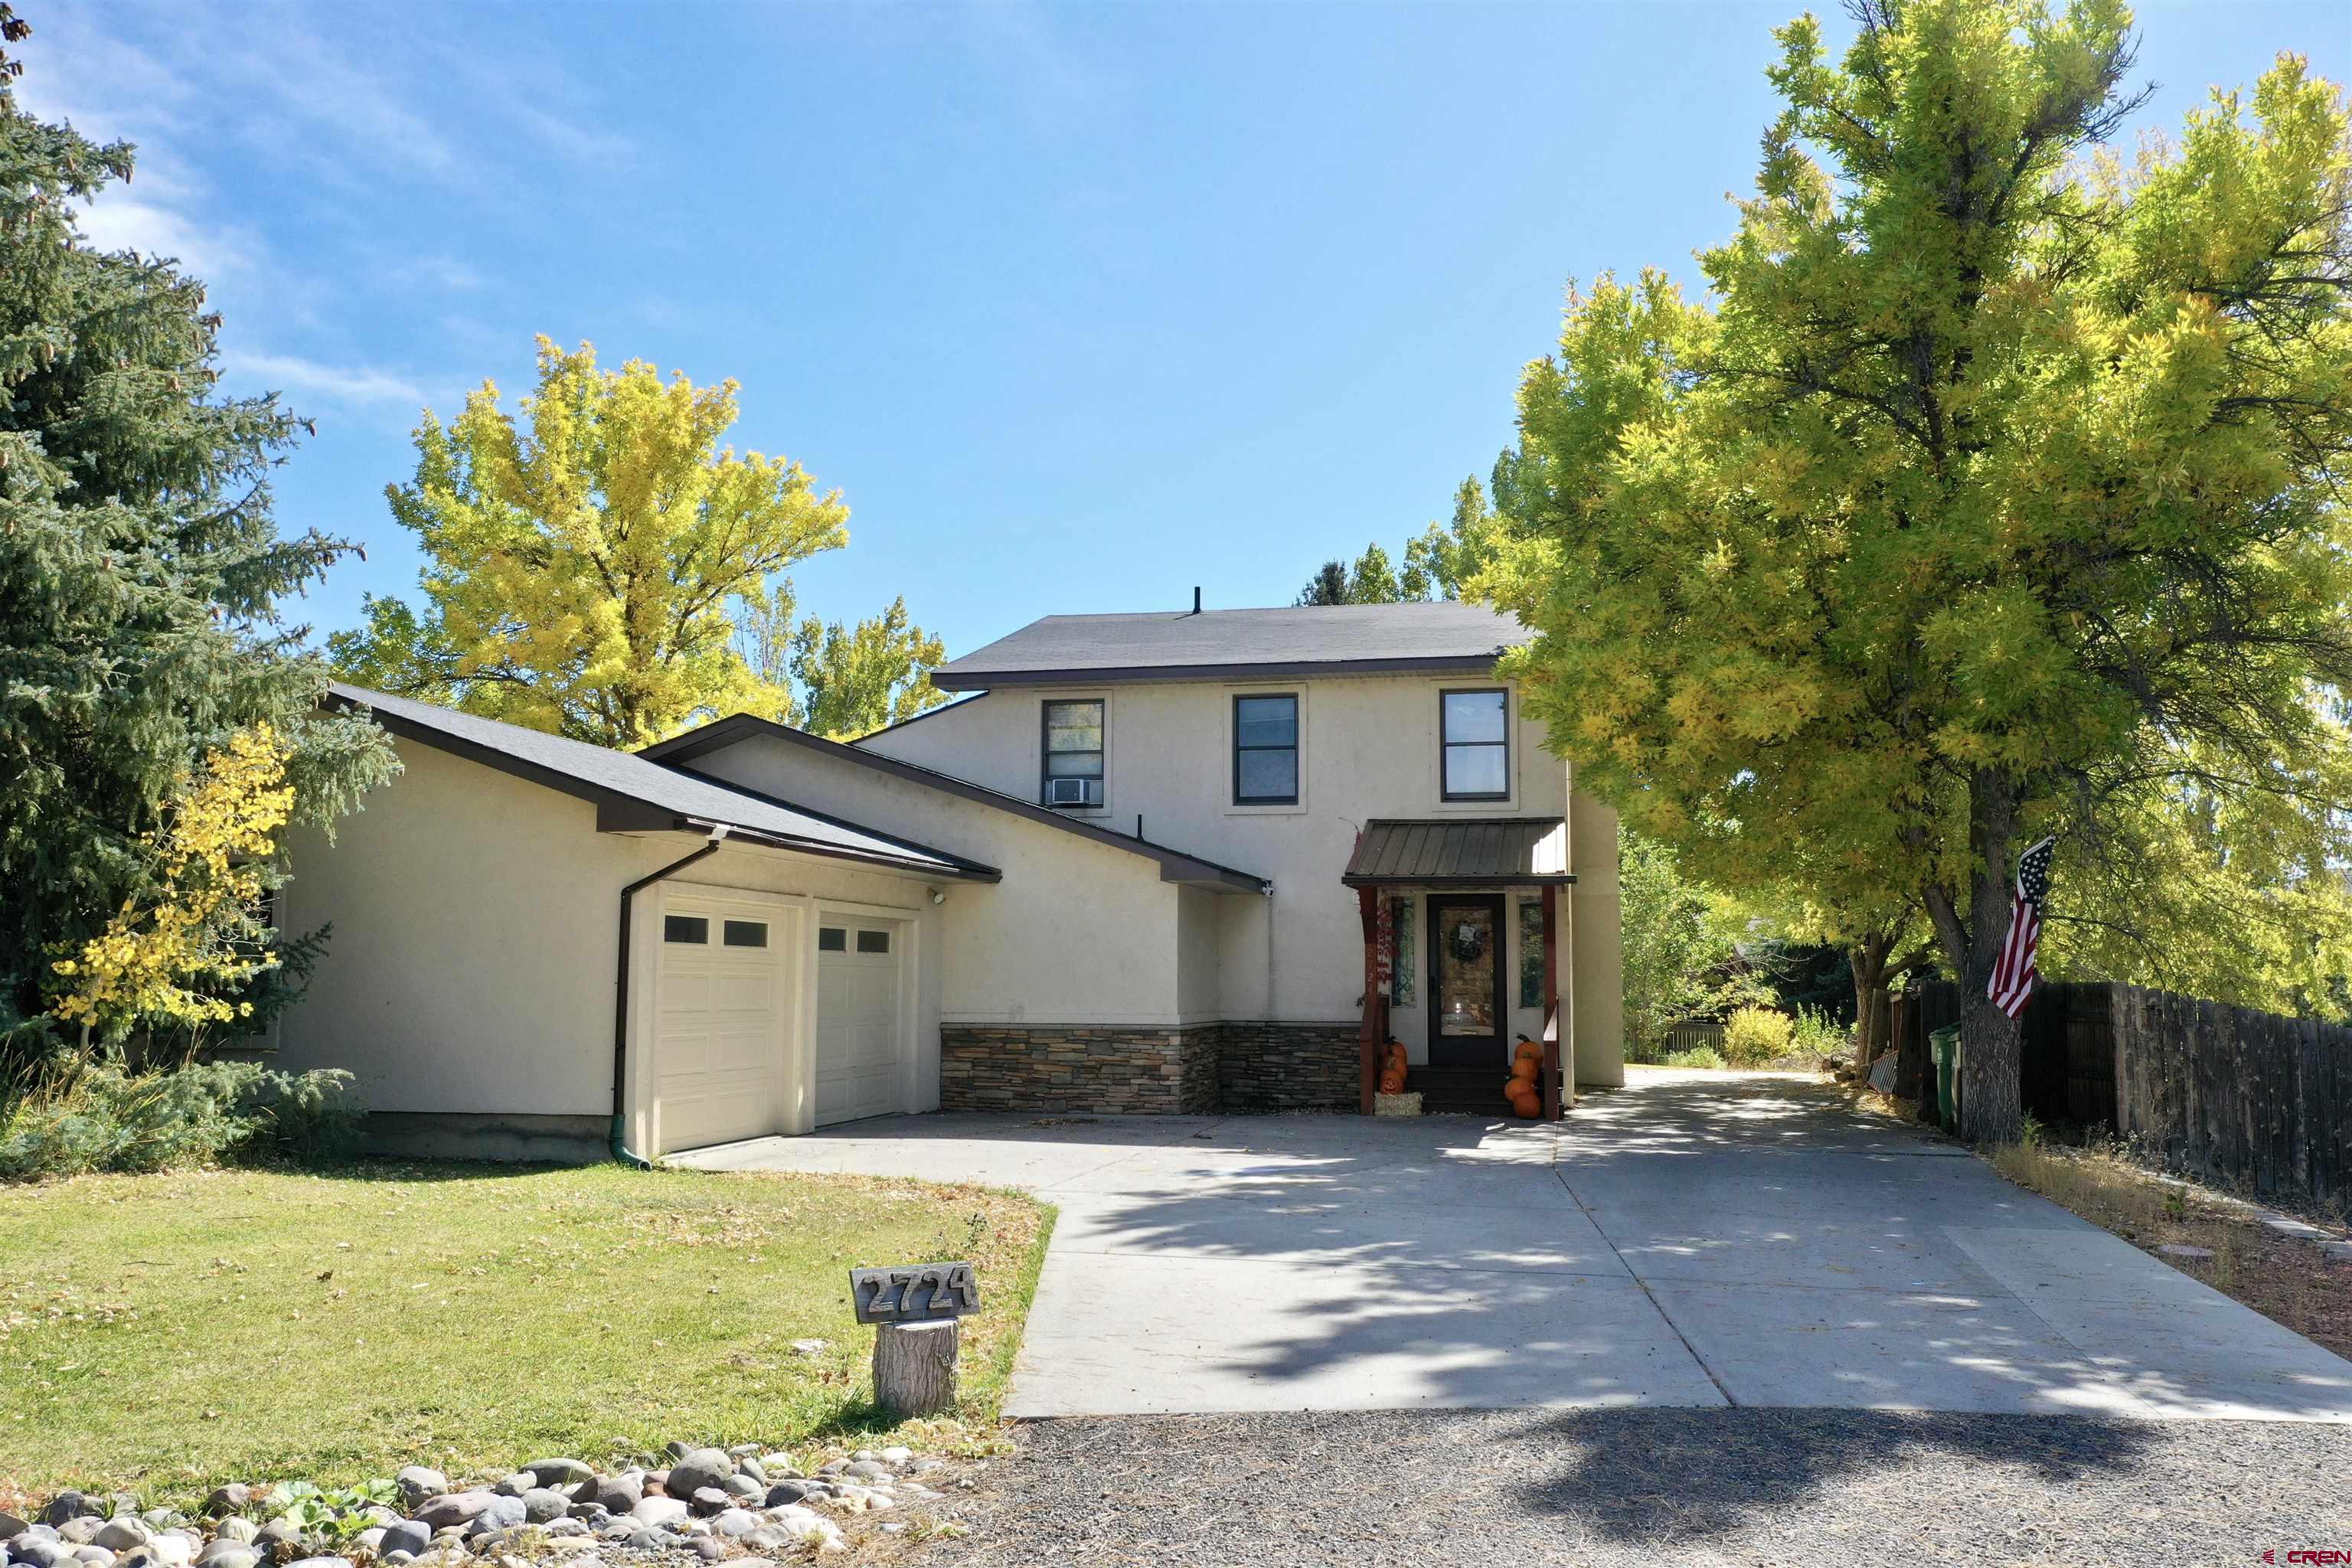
(1693, 1239)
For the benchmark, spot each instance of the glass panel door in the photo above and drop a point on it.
(1465, 1000)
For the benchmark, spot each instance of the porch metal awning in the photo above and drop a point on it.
(1461, 852)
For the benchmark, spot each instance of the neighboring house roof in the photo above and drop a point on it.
(1207, 645)
(632, 794)
(1175, 866)
(1461, 852)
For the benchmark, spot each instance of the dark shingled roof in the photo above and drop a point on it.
(1482, 851)
(1209, 645)
(632, 794)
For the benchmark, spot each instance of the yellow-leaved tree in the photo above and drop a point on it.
(1993, 488)
(589, 567)
(174, 954)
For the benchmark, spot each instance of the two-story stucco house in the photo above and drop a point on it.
(1159, 862)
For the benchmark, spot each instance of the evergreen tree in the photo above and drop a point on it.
(141, 573)
(1328, 586)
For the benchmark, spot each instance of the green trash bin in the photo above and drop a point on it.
(1945, 1043)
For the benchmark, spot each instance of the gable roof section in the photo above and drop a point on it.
(632, 794)
(1444, 635)
(1175, 866)
(1460, 852)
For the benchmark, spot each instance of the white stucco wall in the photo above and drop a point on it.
(475, 924)
(1078, 931)
(1597, 960)
(1369, 748)
(1199, 927)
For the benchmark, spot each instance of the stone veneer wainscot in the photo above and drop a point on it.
(1190, 1071)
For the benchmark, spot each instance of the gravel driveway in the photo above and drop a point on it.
(1809, 1488)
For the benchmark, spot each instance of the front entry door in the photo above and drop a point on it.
(1466, 1017)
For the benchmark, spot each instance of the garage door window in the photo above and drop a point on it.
(873, 942)
(832, 939)
(745, 934)
(692, 928)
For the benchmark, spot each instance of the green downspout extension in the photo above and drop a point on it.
(619, 1139)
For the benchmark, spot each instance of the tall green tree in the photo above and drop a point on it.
(1443, 557)
(1682, 945)
(854, 680)
(1438, 561)
(141, 573)
(1994, 488)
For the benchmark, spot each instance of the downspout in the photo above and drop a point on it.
(619, 1139)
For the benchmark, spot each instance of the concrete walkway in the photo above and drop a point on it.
(1693, 1239)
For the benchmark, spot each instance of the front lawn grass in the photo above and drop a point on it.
(170, 1332)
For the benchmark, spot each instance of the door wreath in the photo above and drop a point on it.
(1467, 943)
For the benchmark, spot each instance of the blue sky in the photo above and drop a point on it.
(1079, 307)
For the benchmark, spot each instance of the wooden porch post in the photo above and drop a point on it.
(1552, 1094)
(1369, 1037)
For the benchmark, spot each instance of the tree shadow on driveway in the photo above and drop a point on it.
(1610, 1489)
(1684, 1477)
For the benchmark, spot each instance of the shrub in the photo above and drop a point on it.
(1755, 1035)
(110, 1119)
(1816, 1034)
(1697, 1057)
(301, 1116)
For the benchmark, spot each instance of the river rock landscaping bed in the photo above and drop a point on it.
(743, 1505)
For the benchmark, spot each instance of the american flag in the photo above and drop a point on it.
(2013, 976)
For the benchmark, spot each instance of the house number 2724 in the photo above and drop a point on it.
(916, 1293)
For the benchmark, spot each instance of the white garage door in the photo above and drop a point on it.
(856, 1018)
(720, 1022)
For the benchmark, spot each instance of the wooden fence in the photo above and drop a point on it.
(2225, 1092)
(1689, 1035)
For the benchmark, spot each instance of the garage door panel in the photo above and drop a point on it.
(718, 1025)
(858, 1032)
(742, 992)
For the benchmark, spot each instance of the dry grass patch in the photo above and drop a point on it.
(2287, 1280)
(169, 1333)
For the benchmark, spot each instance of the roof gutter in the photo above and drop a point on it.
(618, 1141)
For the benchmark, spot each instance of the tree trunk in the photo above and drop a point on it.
(1869, 961)
(914, 1367)
(1992, 1070)
(1991, 1043)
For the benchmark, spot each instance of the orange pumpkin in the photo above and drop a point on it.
(1528, 1051)
(1525, 1071)
(1393, 1083)
(1527, 1106)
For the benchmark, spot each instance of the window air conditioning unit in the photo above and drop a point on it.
(1066, 792)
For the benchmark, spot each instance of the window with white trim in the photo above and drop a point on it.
(1265, 750)
(1072, 752)
(1474, 746)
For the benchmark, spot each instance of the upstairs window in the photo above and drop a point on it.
(1266, 751)
(1475, 745)
(1074, 755)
